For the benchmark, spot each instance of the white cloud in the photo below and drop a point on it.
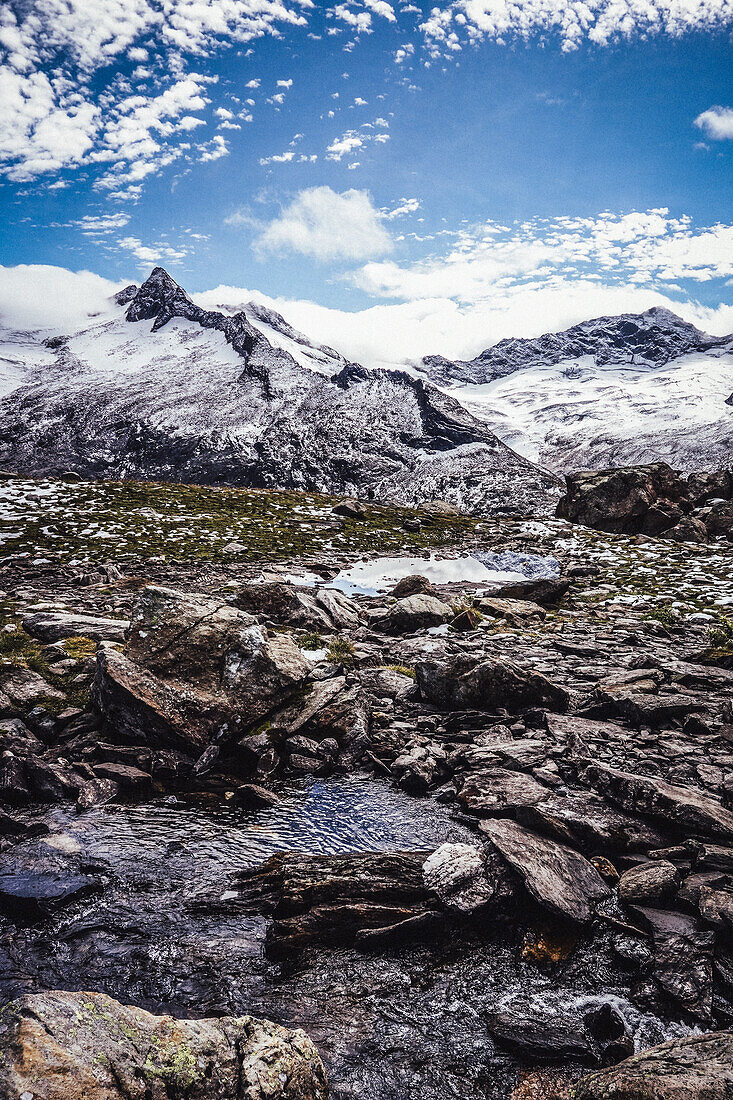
(716, 123)
(404, 206)
(327, 225)
(448, 28)
(42, 296)
(149, 255)
(351, 140)
(650, 248)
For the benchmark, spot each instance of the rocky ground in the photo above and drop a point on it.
(473, 836)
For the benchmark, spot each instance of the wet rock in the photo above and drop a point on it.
(53, 781)
(413, 613)
(96, 792)
(87, 1046)
(556, 1026)
(330, 899)
(458, 874)
(462, 682)
(696, 1067)
(498, 792)
(53, 626)
(36, 881)
(682, 951)
(560, 879)
(14, 788)
(129, 779)
(649, 884)
(252, 797)
(716, 907)
(682, 808)
(193, 670)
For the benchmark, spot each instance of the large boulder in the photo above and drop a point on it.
(308, 608)
(418, 612)
(462, 683)
(193, 671)
(696, 1067)
(86, 1046)
(629, 499)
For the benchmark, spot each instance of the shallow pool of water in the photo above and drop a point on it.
(343, 814)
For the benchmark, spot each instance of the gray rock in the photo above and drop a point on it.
(649, 884)
(462, 681)
(457, 873)
(52, 626)
(413, 613)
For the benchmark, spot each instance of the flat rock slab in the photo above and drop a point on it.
(683, 808)
(698, 1067)
(33, 895)
(557, 877)
(493, 792)
(52, 626)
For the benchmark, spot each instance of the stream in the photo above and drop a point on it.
(159, 930)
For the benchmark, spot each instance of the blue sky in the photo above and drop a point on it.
(485, 165)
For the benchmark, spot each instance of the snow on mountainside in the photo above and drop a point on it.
(160, 388)
(608, 392)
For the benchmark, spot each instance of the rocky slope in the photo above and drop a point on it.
(608, 392)
(473, 834)
(162, 389)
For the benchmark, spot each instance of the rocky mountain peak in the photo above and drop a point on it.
(652, 338)
(158, 299)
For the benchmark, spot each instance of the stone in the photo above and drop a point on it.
(462, 682)
(96, 792)
(543, 1027)
(420, 766)
(557, 877)
(498, 792)
(649, 884)
(629, 500)
(545, 591)
(193, 670)
(516, 612)
(683, 958)
(129, 779)
(23, 686)
(695, 1067)
(53, 626)
(35, 894)
(681, 808)
(413, 613)
(457, 873)
(414, 585)
(585, 821)
(307, 608)
(252, 797)
(87, 1046)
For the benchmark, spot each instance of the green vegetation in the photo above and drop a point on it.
(404, 669)
(341, 652)
(310, 640)
(20, 650)
(720, 636)
(131, 521)
(664, 615)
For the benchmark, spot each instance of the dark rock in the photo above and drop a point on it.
(628, 500)
(585, 821)
(130, 780)
(414, 585)
(462, 682)
(53, 626)
(498, 792)
(96, 792)
(251, 797)
(681, 808)
(683, 965)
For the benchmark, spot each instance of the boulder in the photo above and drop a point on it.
(462, 683)
(585, 821)
(544, 591)
(458, 874)
(557, 877)
(414, 585)
(52, 626)
(681, 808)
(683, 958)
(23, 686)
(627, 500)
(516, 612)
(413, 613)
(193, 671)
(499, 792)
(317, 609)
(695, 1067)
(87, 1046)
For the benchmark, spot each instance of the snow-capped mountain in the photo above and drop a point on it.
(612, 391)
(160, 388)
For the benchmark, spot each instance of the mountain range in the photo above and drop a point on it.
(612, 391)
(158, 388)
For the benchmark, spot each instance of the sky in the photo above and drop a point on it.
(397, 178)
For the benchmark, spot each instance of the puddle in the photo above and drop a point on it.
(379, 575)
